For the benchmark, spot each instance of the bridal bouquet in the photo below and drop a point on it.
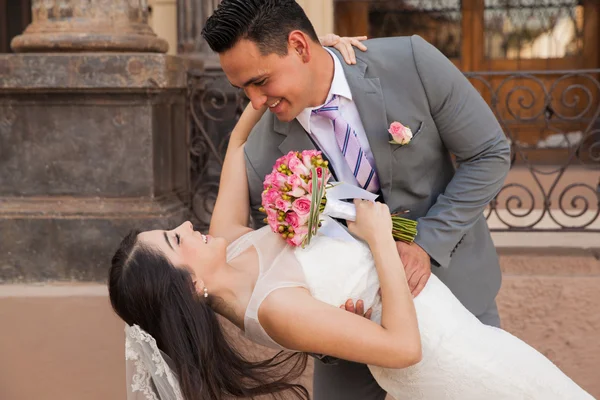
(297, 197)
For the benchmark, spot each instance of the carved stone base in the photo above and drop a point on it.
(91, 146)
(76, 42)
(88, 26)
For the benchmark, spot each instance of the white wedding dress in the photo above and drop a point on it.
(462, 358)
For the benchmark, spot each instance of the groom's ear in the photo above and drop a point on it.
(299, 45)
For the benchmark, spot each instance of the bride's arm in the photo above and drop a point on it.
(232, 208)
(320, 328)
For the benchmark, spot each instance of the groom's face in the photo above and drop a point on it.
(278, 82)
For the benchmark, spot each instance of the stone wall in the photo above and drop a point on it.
(93, 138)
(87, 152)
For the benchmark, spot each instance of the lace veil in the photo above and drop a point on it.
(149, 376)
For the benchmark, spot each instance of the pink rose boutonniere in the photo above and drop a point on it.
(400, 134)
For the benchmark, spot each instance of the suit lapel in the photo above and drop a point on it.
(296, 139)
(368, 97)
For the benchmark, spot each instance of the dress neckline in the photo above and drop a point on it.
(234, 250)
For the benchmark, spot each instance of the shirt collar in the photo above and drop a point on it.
(339, 86)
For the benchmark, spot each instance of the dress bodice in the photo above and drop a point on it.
(331, 269)
(278, 268)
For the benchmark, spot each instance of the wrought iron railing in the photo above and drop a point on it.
(552, 121)
(550, 117)
(214, 107)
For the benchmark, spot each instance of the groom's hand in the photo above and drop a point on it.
(358, 310)
(417, 266)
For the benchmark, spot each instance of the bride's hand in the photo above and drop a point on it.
(373, 221)
(248, 119)
(345, 45)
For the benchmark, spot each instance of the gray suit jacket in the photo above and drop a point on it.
(408, 80)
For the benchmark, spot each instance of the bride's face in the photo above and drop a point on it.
(186, 248)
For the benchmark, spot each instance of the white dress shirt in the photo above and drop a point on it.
(320, 128)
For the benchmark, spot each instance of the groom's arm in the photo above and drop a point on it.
(469, 129)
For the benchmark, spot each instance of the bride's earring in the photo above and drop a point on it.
(205, 292)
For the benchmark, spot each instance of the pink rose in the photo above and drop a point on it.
(299, 235)
(283, 205)
(272, 219)
(303, 220)
(296, 240)
(311, 153)
(275, 179)
(321, 171)
(307, 160)
(292, 219)
(298, 192)
(294, 181)
(280, 161)
(279, 180)
(400, 134)
(297, 185)
(284, 160)
(269, 180)
(269, 197)
(302, 205)
(307, 156)
(297, 166)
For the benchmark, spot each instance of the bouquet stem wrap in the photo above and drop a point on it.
(403, 229)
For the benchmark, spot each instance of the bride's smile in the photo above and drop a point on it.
(229, 285)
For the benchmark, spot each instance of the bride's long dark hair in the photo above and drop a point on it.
(147, 290)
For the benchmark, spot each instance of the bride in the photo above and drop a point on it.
(169, 285)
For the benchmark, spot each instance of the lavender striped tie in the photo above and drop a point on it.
(350, 146)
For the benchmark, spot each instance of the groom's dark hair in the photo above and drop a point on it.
(267, 23)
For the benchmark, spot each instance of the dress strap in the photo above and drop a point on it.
(239, 245)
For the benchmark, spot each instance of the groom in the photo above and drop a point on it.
(270, 49)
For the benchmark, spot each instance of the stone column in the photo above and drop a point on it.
(93, 139)
(163, 20)
(192, 14)
(94, 25)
